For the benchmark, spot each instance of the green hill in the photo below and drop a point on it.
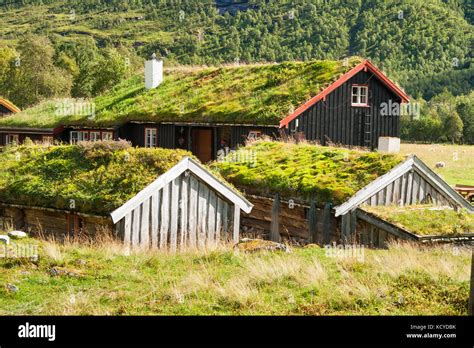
(409, 39)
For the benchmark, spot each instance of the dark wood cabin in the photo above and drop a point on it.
(345, 111)
(9, 135)
(348, 112)
(204, 140)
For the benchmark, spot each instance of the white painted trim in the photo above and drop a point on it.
(380, 183)
(185, 164)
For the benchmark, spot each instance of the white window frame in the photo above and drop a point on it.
(107, 135)
(79, 136)
(11, 139)
(361, 99)
(254, 134)
(47, 139)
(151, 137)
(94, 136)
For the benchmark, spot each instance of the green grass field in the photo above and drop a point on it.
(459, 160)
(105, 279)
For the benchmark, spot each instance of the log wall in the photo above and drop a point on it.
(295, 222)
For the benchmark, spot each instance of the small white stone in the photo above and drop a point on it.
(17, 234)
(4, 239)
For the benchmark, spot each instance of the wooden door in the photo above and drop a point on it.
(202, 144)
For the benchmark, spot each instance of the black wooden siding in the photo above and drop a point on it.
(337, 121)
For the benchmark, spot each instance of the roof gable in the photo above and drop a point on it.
(194, 167)
(411, 164)
(366, 65)
(9, 105)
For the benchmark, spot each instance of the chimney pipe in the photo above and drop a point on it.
(153, 72)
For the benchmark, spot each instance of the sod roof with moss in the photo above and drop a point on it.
(247, 94)
(99, 176)
(304, 171)
(426, 220)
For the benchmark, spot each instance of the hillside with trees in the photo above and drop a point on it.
(87, 47)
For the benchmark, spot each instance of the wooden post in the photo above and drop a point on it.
(275, 224)
(236, 223)
(327, 223)
(471, 296)
(313, 222)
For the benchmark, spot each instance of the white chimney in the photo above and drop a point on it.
(153, 72)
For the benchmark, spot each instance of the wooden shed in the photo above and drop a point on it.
(185, 207)
(315, 194)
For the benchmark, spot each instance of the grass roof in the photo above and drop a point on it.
(304, 171)
(99, 177)
(246, 94)
(426, 219)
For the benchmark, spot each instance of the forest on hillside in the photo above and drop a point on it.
(89, 46)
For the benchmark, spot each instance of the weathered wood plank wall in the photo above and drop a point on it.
(184, 213)
(301, 223)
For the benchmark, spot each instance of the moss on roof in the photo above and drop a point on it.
(247, 94)
(303, 170)
(99, 177)
(426, 219)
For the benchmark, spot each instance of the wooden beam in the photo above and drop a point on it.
(127, 229)
(313, 221)
(385, 226)
(155, 211)
(275, 224)
(144, 226)
(236, 231)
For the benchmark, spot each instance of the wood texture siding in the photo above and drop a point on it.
(336, 120)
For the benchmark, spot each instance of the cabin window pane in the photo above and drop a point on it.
(12, 139)
(95, 136)
(150, 137)
(107, 135)
(74, 137)
(359, 95)
(83, 136)
(47, 139)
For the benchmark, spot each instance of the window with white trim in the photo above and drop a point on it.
(47, 139)
(150, 137)
(11, 139)
(107, 135)
(360, 95)
(76, 136)
(94, 136)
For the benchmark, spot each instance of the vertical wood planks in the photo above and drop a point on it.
(127, 229)
(165, 215)
(202, 214)
(184, 211)
(174, 210)
(155, 211)
(409, 187)
(145, 227)
(211, 217)
(327, 223)
(219, 217)
(136, 227)
(225, 225)
(236, 224)
(193, 210)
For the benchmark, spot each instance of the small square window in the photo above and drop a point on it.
(360, 95)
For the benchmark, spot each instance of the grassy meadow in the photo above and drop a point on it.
(104, 278)
(459, 160)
